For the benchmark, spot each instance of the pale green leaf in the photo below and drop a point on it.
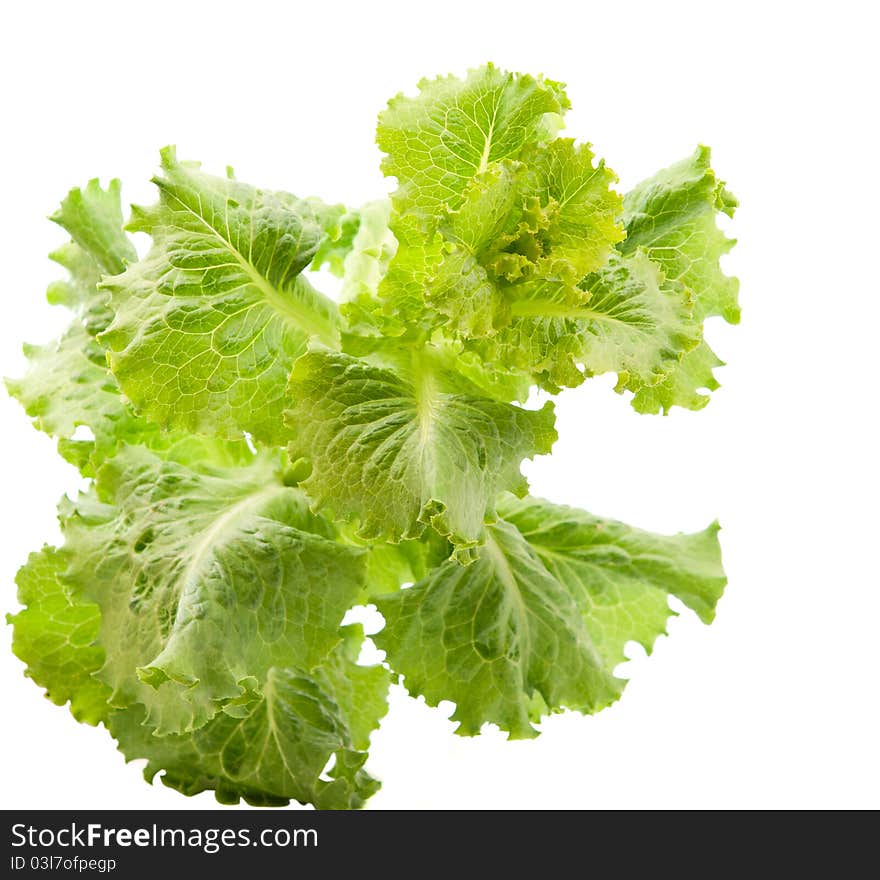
(463, 293)
(494, 635)
(274, 747)
(517, 238)
(515, 297)
(515, 232)
(428, 271)
(621, 577)
(398, 452)
(491, 207)
(397, 308)
(79, 291)
(672, 217)
(462, 365)
(360, 692)
(208, 325)
(576, 191)
(55, 635)
(93, 217)
(493, 379)
(206, 575)
(391, 565)
(627, 319)
(639, 325)
(372, 248)
(99, 246)
(340, 227)
(440, 140)
(539, 621)
(687, 385)
(542, 337)
(68, 385)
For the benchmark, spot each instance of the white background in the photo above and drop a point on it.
(774, 705)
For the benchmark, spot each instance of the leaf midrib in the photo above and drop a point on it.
(501, 566)
(536, 308)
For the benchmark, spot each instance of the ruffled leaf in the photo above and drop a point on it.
(208, 325)
(206, 574)
(440, 140)
(273, 747)
(538, 622)
(398, 451)
(56, 636)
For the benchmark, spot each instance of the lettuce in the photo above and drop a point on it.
(259, 458)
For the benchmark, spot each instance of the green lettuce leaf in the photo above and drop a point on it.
(460, 285)
(460, 289)
(208, 325)
(502, 272)
(99, 246)
(684, 385)
(398, 308)
(539, 620)
(515, 237)
(516, 221)
(639, 325)
(56, 635)
(68, 384)
(627, 319)
(545, 347)
(621, 576)
(206, 575)
(490, 209)
(391, 565)
(367, 261)
(440, 140)
(93, 217)
(574, 190)
(340, 227)
(79, 292)
(672, 217)
(400, 451)
(492, 636)
(274, 747)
